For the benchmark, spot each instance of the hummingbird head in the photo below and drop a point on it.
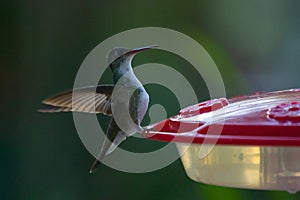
(119, 56)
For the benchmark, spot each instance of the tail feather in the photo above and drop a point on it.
(107, 148)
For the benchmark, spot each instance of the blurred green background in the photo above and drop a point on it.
(255, 44)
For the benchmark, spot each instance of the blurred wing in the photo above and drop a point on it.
(87, 99)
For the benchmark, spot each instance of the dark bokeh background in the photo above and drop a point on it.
(255, 44)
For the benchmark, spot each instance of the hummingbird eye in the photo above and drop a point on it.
(115, 53)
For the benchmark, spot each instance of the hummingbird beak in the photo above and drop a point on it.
(135, 51)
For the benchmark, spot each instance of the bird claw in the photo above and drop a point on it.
(146, 132)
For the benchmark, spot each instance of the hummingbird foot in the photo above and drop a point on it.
(146, 132)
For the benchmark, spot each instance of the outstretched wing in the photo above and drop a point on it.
(94, 99)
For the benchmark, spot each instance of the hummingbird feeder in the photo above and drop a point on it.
(243, 142)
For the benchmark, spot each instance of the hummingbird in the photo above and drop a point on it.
(126, 101)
